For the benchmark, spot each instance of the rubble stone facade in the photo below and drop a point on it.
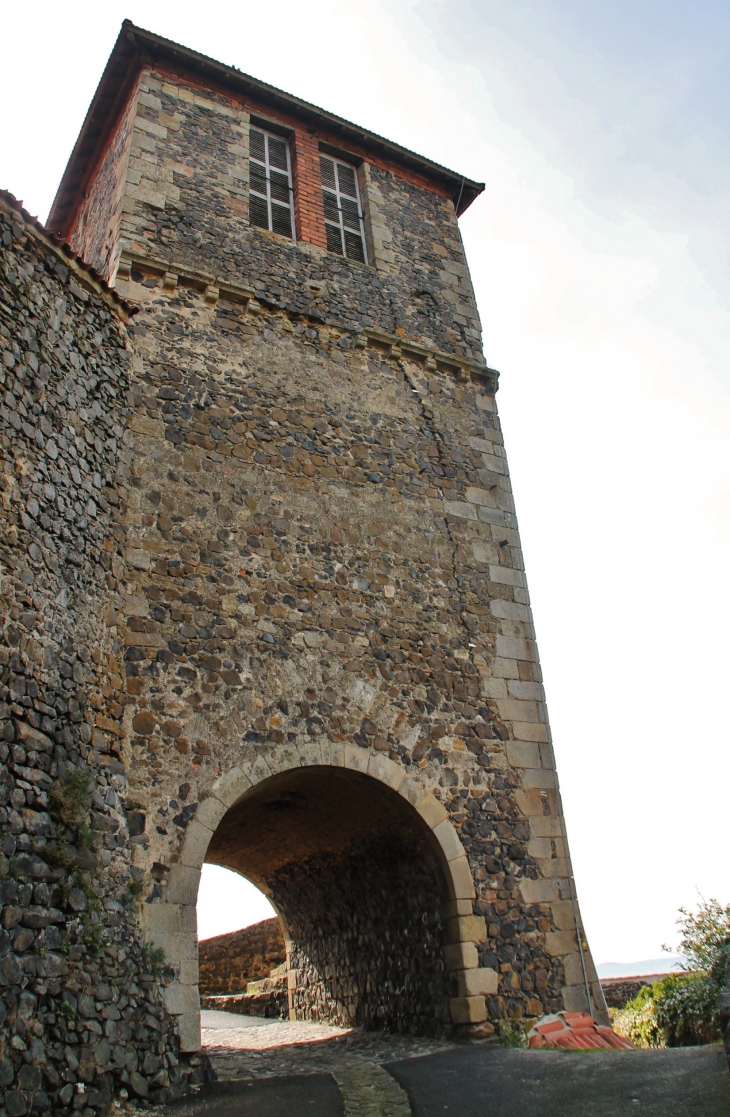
(265, 606)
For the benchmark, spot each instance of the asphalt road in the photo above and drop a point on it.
(487, 1081)
(494, 1082)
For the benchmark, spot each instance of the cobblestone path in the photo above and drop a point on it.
(353, 1058)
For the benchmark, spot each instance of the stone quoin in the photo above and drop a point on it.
(264, 598)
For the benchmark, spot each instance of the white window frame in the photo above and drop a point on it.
(339, 195)
(267, 167)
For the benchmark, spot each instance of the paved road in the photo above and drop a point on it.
(493, 1082)
(291, 1070)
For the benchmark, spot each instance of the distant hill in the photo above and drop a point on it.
(228, 962)
(665, 964)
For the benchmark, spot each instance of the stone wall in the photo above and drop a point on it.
(618, 991)
(368, 937)
(323, 553)
(80, 995)
(228, 962)
(186, 202)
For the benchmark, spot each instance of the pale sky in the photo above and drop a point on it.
(599, 253)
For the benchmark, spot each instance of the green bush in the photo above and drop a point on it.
(682, 1009)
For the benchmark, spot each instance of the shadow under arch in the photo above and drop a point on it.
(371, 884)
(354, 873)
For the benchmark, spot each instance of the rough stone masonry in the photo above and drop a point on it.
(264, 601)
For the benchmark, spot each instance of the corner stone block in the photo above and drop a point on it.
(563, 916)
(560, 943)
(197, 840)
(467, 928)
(189, 971)
(189, 1031)
(468, 1010)
(523, 755)
(356, 759)
(181, 999)
(461, 956)
(573, 969)
(448, 839)
(431, 811)
(231, 787)
(182, 887)
(384, 770)
(478, 982)
(574, 999)
(542, 779)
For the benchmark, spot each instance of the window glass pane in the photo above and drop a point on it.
(346, 179)
(331, 212)
(258, 212)
(256, 145)
(327, 170)
(270, 192)
(350, 215)
(334, 239)
(277, 153)
(281, 219)
(353, 247)
(280, 186)
(258, 179)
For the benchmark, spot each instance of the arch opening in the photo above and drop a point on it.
(359, 885)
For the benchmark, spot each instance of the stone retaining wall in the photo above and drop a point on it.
(228, 962)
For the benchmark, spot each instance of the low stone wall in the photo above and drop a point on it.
(229, 962)
(270, 1002)
(618, 991)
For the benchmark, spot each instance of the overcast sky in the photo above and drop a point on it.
(599, 253)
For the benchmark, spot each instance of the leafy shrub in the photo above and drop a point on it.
(682, 1010)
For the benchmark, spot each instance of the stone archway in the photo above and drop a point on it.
(356, 828)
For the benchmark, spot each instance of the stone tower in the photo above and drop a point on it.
(265, 595)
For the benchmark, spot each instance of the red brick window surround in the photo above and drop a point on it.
(308, 189)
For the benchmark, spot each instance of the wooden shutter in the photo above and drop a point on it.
(271, 199)
(342, 209)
